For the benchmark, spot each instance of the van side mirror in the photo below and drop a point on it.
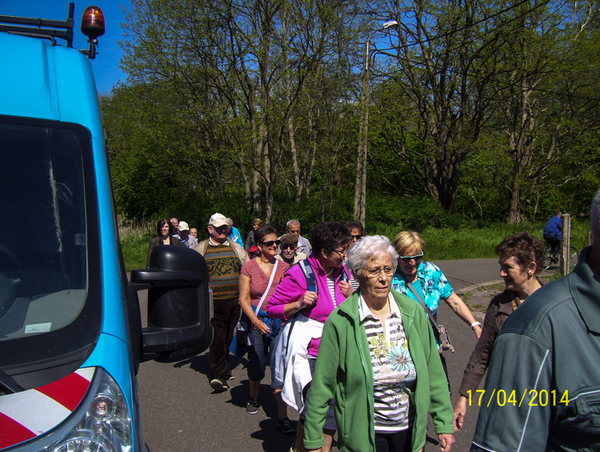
(179, 304)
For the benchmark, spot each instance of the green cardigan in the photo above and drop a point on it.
(344, 371)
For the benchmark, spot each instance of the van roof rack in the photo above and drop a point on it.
(56, 28)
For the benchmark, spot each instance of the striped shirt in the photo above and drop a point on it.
(331, 287)
(394, 375)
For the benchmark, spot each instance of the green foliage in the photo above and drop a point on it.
(215, 90)
(387, 213)
(147, 168)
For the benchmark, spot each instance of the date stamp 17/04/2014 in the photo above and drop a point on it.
(530, 397)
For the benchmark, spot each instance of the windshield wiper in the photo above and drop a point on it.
(9, 384)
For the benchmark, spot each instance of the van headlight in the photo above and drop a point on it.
(101, 423)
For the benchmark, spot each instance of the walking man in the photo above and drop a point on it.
(289, 250)
(224, 259)
(186, 238)
(234, 233)
(293, 227)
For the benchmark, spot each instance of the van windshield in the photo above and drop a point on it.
(49, 291)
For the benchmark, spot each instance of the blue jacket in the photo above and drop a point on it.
(554, 227)
(236, 236)
(546, 360)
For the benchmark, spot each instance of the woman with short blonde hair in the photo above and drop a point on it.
(426, 279)
(425, 283)
(409, 240)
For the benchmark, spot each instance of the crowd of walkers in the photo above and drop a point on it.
(347, 323)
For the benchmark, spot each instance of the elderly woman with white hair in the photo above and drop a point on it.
(378, 358)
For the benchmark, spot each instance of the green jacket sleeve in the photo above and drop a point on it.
(440, 407)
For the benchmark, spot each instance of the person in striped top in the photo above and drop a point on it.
(378, 359)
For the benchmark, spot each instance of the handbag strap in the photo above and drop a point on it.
(268, 287)
(429, 313)
(309, 274)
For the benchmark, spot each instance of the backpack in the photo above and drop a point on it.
(311, 279)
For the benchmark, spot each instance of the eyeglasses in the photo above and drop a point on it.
(416, 257)
(288, 247)
(342, 253)
(375, 272)
(271, 243)
(356, 237)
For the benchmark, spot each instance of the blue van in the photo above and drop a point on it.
(71, 337)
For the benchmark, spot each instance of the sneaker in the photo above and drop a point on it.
(285, 425)
(219, 384)
(252, 406)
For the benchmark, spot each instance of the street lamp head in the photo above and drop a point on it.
(390, 23)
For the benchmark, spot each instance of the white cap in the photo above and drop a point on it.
(217, 220)
(183, 226)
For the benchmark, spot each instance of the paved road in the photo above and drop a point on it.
(181, 413)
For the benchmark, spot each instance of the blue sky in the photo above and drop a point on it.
(106, 65)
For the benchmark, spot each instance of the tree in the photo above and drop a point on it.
(239, 72)
(444, 64)
(539, 95)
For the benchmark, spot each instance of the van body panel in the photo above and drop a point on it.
(66, 305)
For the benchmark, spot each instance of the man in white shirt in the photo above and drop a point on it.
(304, 246)
(185, 237)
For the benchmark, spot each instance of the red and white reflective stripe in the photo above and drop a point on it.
(27, 414)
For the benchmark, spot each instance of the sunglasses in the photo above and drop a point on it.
(288, 247)
(416, 257)
(271, 243)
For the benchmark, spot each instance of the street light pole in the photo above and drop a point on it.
(360, 187)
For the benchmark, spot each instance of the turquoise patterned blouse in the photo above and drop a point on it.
(430, 281)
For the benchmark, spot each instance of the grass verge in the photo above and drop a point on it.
(135, 238)
(442, 244)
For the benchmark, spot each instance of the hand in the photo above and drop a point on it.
(478, 330)
(446, 441)
(460, 410)
(346, 288)
(308, 300)
(261, 327)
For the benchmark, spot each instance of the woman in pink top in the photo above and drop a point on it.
(330, 242)
(254, 282)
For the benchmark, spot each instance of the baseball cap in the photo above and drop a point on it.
(183, 226)
(217, 220)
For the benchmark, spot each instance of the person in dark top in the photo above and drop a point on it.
(164, 238)
(521, 261)
(553, 232)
